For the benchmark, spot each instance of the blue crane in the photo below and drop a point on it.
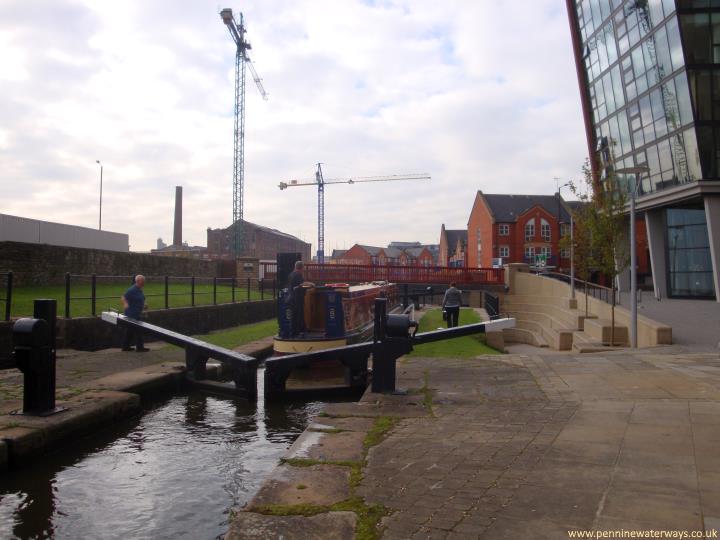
(237, 31)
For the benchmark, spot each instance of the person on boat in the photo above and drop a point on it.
(451, 305)
(297, 286)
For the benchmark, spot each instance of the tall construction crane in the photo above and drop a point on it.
(237, 31)
(320, 182)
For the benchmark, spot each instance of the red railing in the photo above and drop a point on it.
(353, 273)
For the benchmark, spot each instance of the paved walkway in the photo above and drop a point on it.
(529, 446)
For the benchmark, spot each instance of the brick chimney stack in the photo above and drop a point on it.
(177, 233)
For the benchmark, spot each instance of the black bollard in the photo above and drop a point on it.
(391, 340)
(34, 353)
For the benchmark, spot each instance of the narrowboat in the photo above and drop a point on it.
(334, 315)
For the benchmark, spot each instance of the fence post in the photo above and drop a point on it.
(274, 284)
(192, 291)
(214, 291)
(67, 295)
(8, 295)
(262, 288)
(248, 289)
(232, 289)
(167, 292)
(93, 296)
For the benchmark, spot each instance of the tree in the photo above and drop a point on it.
(601, 224)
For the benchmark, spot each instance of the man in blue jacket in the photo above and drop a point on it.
(134, 302)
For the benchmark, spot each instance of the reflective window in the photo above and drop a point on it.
(673, 35)
(530, 230)
(530, 253)
(504, 251)
(683, 97)
(700, 90)
(697, 37)
(504, 229)
(690, 266)
(545, 230)
(689, 142)
(706, 150)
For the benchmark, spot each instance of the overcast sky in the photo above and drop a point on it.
(480, 94)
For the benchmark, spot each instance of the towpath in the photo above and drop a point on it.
(514, 446)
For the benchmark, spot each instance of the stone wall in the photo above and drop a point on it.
(91, 333)
(42, 264)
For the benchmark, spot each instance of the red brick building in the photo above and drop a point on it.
(372, 255)
(517, 228)
(416, 256)
(453, 247)
(258, 241)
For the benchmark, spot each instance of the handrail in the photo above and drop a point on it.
(595, 290)
(362, 273)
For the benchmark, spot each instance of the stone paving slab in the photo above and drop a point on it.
(318, 485)
(251, 526)
(532, 446)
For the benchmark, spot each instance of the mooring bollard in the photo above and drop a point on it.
(34, 353)
(392, 339)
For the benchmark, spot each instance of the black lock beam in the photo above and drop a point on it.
(198, 352)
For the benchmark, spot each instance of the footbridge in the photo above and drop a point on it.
(415, 275)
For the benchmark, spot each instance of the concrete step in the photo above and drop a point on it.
(523, 335)
(584, 343)
(571, 318)
(600, 330)
(557, 336)
(558, 301)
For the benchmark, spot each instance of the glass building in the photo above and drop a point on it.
(649, 75)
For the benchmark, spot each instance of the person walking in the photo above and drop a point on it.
(451, 305)
(134, 302)
(296, 287)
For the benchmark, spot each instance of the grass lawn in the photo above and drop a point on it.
(108, 296)
(462, 347)
(241, 335)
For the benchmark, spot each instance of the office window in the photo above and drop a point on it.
(530, 230)
(545, 230)
(504, 252)
(504, 229)
(530, 253)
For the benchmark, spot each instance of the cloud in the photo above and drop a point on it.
(481, 95)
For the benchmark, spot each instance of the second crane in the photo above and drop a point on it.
(320, 182)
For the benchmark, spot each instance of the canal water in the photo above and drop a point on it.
(174, 472)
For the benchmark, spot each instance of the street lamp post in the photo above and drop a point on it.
(572, 246)
(101, 173)
(637, 171)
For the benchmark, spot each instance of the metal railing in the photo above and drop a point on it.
(7, 300)
(491, 304)
(593, 289)
(355, 273)
(94, 288)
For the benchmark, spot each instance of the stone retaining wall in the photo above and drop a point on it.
(42, 264)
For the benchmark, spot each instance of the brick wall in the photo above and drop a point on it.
(42, 264)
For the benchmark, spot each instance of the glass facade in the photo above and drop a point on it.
(652, 86)
(689, 263)
(653, 92)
